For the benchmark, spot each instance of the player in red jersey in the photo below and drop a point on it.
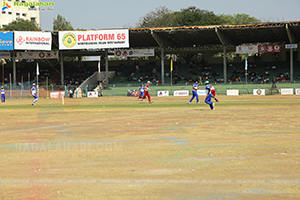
(147, 89)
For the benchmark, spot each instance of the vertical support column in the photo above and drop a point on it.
(291, 65)
(106, 66)
(14, 69)
(62, 68)
(162, 66)
(224, 64)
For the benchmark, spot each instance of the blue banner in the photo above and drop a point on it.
(6, 41)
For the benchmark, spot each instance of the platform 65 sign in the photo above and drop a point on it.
(102, 39)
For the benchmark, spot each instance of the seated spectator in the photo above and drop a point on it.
(274, 67)
(121, 79)
(267, 73)
(167, 74)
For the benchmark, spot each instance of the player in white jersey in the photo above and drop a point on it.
(34, 94)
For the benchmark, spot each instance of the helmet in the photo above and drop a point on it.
(206, 82)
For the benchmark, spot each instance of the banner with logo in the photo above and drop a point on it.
(202, 92)
(259, 92)
(37, 55)
(134, 53)
(181, 93)
(269, 48)
(30, 40)
(57, 95)
(92, 94)
(4, 55)
(297, 91)
(6, 41)
(101, 39)
(162, 93)
(247, 49)
(232, 92)
(287, 91)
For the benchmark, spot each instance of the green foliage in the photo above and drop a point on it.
(239, 19)
(61, 24)
(191, 16)
(21, 25)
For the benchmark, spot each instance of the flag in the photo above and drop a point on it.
(37, 69)
(246, 64)
(171, 64)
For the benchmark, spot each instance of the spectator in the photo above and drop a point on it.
(274, 67)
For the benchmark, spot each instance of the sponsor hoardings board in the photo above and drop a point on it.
(92, 94)
(178, 93)
(134, 53)
(202, 92)
(4, 55)
(259, 92)
(162, 93)
(31, 40)
(100, 39)
(232, 92)
(38, 55)
(57, 95)
(6, 41)
(287, 91)
(297, 91)
(275, 48)
(247, 49)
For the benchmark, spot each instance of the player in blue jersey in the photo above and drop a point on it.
(34, 94)
(209, 95)
(141, 89)
(195, 94)
(2, 94)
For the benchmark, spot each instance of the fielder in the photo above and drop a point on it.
(147, 89)
(34, 94)
(213, 92)
(2, 94)
(209, 95)
(195, 94)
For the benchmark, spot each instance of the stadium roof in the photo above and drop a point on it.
(211, 37)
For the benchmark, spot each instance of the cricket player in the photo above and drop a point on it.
(34, 94)
(141, 89)
(147, 89)
(2, 94)
(209, 95)
(213, 92)
(195, 94)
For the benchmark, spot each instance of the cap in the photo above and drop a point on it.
(206, 82)
(33, 84)
(148, 82)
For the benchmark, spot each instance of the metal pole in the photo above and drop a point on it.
(106, 66)
(47, 87)
(14, 70)
(10, 96)
(291, 65)
(162, 66)
(3, 74)
(62, 68)
(224, 64)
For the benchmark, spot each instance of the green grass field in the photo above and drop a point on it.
(122, 148)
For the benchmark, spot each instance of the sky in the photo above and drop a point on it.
(109, 14)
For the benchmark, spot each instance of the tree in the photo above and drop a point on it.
(239, 19)
(161, 17)
(61, 24)
(21, 25)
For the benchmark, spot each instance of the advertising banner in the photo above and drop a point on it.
(232, 92)
(37, 55)
(162, 93)
(202, 92)
(134, 53)
(181, 93)
(247, 49)
(259, 92)
(6, 41)
(287, 91)
(30, 40)
(57, 95)
(297, 91)
(101, 39)
(92, 94)
(269, 48)
(4, 55)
